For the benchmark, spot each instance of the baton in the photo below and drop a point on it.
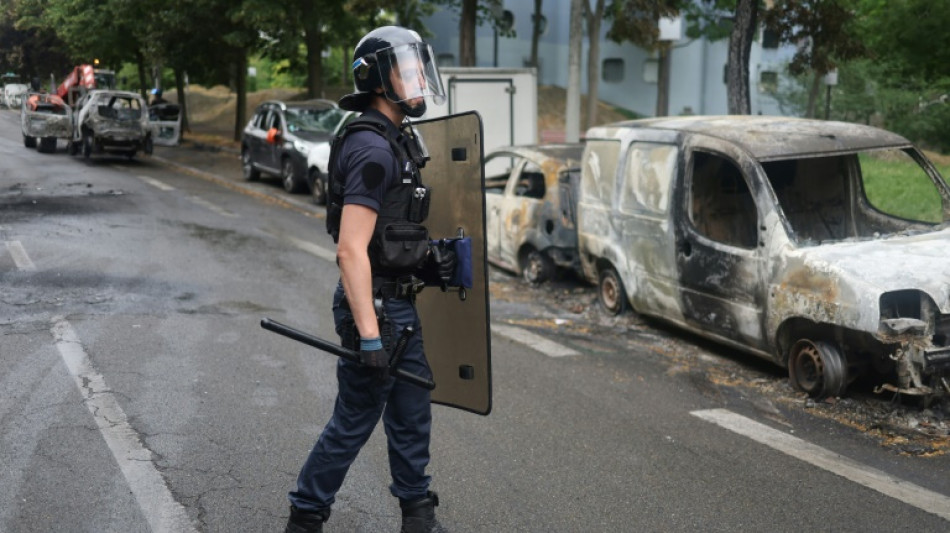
(345, 353)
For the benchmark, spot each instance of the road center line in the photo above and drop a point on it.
(536, 342)
(159, 507)
(208, 205)
(313, 249)
(871, 478)
(20, 258)
(162, 186)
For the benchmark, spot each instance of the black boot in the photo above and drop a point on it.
(306, 521)
(418, 516)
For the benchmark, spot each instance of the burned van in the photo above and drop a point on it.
(820, 245)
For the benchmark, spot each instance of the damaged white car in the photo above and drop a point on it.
(822, 246)
(111, 121)
(45, 118)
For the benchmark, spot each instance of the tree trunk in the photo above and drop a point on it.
(143, 76)
(663, 81)
(573, 103)
(314, 42)
(593, 63)
(535, 33)
(240, 85)
(467, 33)
(182, 101)
(813, 96)
(740, 45)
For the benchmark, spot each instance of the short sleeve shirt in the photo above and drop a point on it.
(368, 165)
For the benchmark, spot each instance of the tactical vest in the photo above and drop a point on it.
(400, 242)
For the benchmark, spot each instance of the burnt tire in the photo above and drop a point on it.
(610, 291)
(29, 142)
(288, 178)
(319, 189)
(47, 145)
(536, 267)
(247, 166)
(73, 147)
(817, 368)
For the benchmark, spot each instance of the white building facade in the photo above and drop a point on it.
(628, 74)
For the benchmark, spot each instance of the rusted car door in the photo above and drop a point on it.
(720, 244)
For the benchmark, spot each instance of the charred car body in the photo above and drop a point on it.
(111, 121)
(530, 200)
(44, 118)
(783, 237)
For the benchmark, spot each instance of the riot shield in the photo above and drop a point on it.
(455, 324)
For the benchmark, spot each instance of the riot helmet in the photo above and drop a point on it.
(400, 63)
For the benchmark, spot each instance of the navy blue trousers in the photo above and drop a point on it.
(362, 399)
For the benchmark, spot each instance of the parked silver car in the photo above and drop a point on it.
(820, 245)
(530, 201)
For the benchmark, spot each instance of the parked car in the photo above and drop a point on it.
(821, 246)
(45, 118)
(280, 136)
(530, 202)
(111, 121)
(318, 159)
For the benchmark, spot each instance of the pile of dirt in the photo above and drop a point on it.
(211, 110)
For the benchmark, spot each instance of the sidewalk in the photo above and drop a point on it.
(219, 161)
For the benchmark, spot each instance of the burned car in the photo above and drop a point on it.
(45, 118)
(111, 121)
(530, 201)
(821, 246)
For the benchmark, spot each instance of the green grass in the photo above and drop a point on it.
(896, 185)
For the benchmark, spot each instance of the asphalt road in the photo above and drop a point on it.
(137, 392)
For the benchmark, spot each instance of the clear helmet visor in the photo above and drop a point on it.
(409, 74)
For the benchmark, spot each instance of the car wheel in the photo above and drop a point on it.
(73, 147)
(250, 173)
(47, 145)
(319, 187)
(86, 145)
(610, 291)
(536, 267)
(29, 142)
(817, 368)
(287, 177)
(148, 146)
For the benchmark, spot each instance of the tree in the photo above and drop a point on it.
(594, 19)
(573, 99)
(740, 46)
(536, 20)
(826, 26)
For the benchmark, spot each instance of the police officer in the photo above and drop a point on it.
(376, 205)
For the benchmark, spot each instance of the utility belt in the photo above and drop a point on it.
(402, 287)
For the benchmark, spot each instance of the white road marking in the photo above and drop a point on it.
(20, 258)
(537, 342)
(156, 183)
(871, 478)
(159, 507)
(208, 205)
(313, 249)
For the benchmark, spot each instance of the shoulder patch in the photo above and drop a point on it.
(372, 175)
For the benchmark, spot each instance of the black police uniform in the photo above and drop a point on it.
(371, 169)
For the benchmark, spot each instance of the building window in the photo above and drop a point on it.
(769, 38)
(612, 71)
(768, 81)
(651, 70)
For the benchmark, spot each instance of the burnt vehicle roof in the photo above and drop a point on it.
(565, 151)
(772, 137)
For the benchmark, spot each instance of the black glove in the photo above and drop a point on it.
(445, 262)
(372, 353)
(374, 358)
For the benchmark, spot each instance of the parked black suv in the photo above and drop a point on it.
(281, 135)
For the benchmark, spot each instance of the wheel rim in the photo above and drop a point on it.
(246, 164)
(288, 175)
(319, 189)
(610, 291)
(532, 267)
(817, 368)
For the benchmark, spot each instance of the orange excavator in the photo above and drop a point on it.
(84, 78)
